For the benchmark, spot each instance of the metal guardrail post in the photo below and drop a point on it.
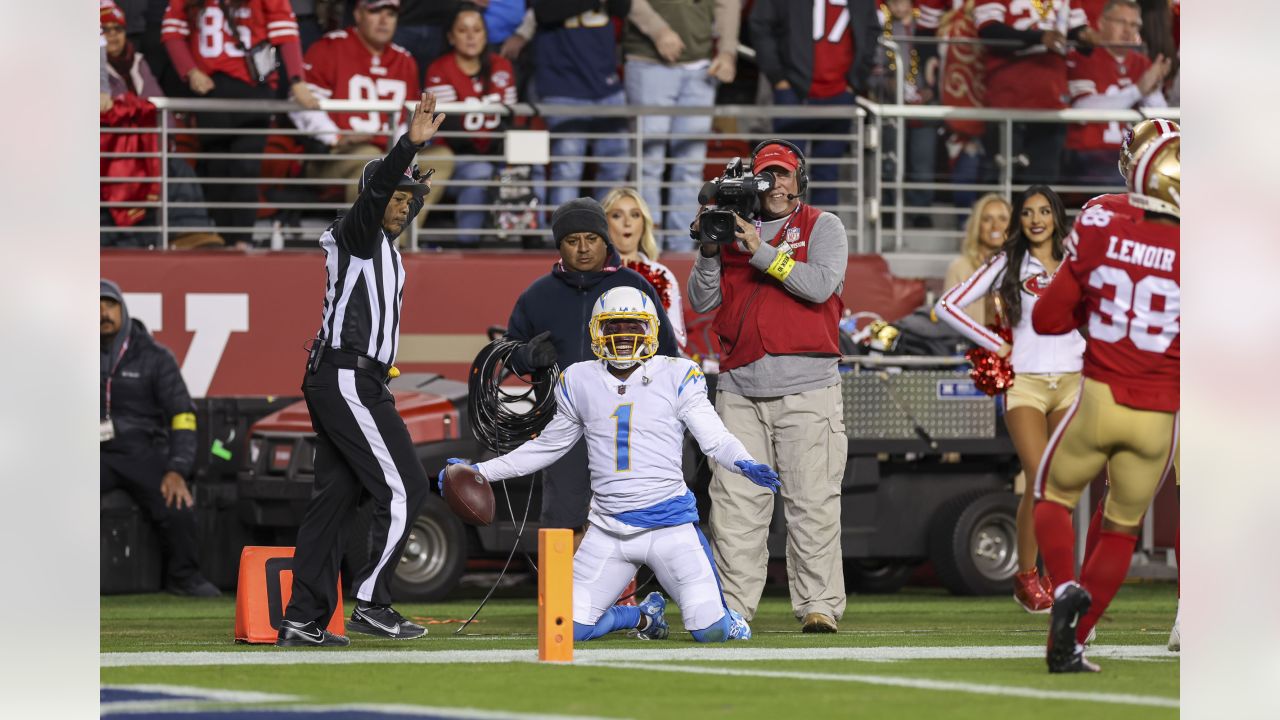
(1006, 147)
(164, 178)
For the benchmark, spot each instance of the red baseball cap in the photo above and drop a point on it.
(775, 154)
(110, 13)
(379, 4)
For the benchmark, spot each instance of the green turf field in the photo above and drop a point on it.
(919, 653)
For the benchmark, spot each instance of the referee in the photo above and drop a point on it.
(361, 442)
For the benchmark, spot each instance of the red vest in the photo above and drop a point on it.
(758, 316)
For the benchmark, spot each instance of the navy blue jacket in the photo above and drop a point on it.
(561, 302)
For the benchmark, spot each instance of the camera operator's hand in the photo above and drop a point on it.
(746, 234)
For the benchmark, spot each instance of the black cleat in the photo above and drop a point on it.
(296, 634)
(1070, 603)
(383, 621)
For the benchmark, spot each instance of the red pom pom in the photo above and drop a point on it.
(991, 373)
(656, 278)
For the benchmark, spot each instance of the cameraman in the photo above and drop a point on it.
(777, 287)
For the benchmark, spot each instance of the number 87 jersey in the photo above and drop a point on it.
(1120, 286)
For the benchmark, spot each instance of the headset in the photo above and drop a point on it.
(802, 169)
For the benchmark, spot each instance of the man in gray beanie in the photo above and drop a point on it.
(551, 316)
(148, 437)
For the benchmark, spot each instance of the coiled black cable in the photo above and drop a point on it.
(495, 422)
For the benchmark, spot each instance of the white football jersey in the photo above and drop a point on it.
(635, 434)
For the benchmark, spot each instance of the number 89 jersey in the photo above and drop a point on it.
(1120, 283)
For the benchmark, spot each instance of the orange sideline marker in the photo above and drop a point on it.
(555, 595)
(262, 594)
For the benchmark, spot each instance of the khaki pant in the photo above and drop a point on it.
(1136, 446)
(438, 157)
(802, 436)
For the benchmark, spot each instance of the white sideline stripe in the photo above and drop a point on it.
(695, 653)
(915, 683)
(201, 693)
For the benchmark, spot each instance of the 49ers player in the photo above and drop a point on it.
(1134, 142)
(1120, 281)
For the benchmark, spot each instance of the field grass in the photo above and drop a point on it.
(919, 653)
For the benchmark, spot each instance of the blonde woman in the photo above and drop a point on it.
(631, 232)
(984, 233)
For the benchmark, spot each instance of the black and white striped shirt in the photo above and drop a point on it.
(363, 268)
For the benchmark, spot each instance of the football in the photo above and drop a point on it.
(468, 495)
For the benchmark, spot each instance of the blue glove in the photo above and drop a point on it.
(451, 461)
(760, 474)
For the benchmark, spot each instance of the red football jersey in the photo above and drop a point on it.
(1034, 77)
(1116, 203)
(1120, 279)
(341, 67)
(1100, 73)
(451, 84)
(931, 12)
(214, 48)
(833, 50)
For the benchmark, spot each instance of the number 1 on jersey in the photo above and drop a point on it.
(622, 436)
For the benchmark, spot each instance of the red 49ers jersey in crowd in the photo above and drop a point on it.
(1033, 78)
(214, 47)
(1120, 279)
(1100, 73)
(341, 67)
(451, 84)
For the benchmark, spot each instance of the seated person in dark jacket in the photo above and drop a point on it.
(551, 317)
(148, 437)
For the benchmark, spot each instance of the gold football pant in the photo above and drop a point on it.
(1137, 447)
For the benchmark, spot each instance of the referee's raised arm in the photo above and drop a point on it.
(358, 232)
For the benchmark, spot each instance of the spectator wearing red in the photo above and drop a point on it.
(131, 82)
(1031, 76)
(470, 73)
(1113, 77)
(828, 70)
(358, 63)
(208, 41)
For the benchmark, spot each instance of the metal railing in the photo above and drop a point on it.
(871, 202)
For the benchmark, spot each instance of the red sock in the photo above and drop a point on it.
(1103, 572)
(1057, 543)
(1095, 527)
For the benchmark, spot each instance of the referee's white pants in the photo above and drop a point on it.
(802, 436)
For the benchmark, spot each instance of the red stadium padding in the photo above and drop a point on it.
(237, 323)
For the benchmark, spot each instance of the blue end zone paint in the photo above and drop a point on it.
(130, 695)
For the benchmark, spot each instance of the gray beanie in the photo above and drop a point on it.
(581, 215)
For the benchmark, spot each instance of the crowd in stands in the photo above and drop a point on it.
(1044, 54)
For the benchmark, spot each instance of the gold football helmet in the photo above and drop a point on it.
(1138, 137)
(1156, 183)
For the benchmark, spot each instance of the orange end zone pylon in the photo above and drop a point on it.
(262, 594)
(555, 595)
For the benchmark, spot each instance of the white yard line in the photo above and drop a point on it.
(719, 653)
(907, 682)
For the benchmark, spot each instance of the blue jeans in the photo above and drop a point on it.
(471, 195)
(609, 174)
(919, 147)
(828, 149)
(650, 83)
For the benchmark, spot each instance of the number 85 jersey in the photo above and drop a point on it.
(1120, 286)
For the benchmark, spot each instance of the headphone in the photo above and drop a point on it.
(802, 169)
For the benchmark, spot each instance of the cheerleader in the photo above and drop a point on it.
(631, 232)
(1046, 367)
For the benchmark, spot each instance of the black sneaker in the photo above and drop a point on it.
(193, 587)
(383, 621)
(1070, 603)
(310, 634)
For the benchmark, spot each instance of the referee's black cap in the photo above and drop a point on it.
(407, 182)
